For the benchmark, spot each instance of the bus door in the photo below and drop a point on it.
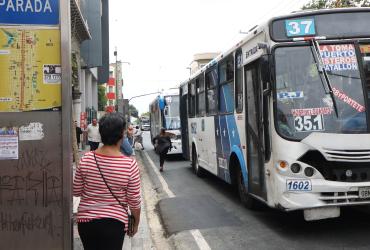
(184, 122)
(254, 130)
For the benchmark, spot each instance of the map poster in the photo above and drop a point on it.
(30, 71)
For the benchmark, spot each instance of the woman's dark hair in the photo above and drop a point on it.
(163, 131)
(111, 128)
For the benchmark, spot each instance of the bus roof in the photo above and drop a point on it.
(264, 26)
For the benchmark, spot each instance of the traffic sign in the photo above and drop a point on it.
(29, 12)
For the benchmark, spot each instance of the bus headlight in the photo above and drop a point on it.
(309, 171)
(295, 167)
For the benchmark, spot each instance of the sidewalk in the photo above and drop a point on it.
(142, 240)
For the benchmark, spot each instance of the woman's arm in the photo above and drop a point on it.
(134, 195)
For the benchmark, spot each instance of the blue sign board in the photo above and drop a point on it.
(300, 27)
(29, 12)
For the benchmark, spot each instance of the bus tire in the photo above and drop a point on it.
(245, 198)
(198, 170)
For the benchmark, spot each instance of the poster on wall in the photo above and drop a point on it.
(9, 143)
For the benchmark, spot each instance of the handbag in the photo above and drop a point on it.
(131, 218)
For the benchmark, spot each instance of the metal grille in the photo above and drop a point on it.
(347, 155)
(343, 198)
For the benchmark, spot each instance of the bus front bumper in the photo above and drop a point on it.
(322, 193)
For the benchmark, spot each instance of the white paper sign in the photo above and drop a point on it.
(32, 132)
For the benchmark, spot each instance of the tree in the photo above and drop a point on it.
(146, 114)
(102, 99)
(133, 111)
(326, 4)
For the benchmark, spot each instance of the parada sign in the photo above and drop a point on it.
(29, 12)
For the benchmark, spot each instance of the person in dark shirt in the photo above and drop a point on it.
(162, 144)
(78, 134)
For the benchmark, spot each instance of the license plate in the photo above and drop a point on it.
(364, 192)
(298, 185)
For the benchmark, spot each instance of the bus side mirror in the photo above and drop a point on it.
(265, 74)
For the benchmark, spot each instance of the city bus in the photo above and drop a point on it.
(144, 123)
(284, 114)
(164, 113)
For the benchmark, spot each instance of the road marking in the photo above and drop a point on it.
(199, 239)
(197, 235)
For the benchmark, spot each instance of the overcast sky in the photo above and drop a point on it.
(159, 37)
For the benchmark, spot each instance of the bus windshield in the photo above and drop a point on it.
(172, 113)
(303, 102)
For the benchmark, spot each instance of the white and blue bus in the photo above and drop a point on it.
(284, 114)
(164, 113)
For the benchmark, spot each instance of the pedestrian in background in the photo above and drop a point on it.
(109, 185)
(126, 147)
(93, 135)
(130, 140)
(78, 134)
(138, 139)
(162, 144)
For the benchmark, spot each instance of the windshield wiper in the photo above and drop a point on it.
(315, 49)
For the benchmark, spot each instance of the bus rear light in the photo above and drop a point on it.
(295, 167)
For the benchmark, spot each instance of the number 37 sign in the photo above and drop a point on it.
(300, 27)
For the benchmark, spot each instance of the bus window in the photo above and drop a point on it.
(365, 51)
(226, 95)
(192, 99)
(200, 96)
(211, 90)
(239, 82)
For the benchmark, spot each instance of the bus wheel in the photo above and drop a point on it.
(245, 198)
(195, 164)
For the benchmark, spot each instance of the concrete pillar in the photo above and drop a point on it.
(77, 110)
(88, 89)
(94, 91)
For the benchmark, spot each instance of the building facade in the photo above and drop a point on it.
(90, 56)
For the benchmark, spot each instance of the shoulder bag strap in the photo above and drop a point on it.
(110, 190)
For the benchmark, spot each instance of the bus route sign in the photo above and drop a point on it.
(29, 12)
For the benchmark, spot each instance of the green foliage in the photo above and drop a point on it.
(326, 4)
(146, 114)
(102, 99)
(133, 111)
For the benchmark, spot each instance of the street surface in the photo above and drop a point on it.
(206, 214)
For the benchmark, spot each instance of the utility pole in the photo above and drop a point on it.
(116, 80)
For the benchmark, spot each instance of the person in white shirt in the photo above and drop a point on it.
(93, 135)
(138, 138)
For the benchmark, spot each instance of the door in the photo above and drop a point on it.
(184, 123)
(255, 162)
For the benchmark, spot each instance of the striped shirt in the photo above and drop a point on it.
(123, 177)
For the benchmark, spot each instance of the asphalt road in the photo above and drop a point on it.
(213, 207)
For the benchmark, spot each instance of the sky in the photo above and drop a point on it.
(158, 38)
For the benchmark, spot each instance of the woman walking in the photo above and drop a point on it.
(162, 144)
(109, 186)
